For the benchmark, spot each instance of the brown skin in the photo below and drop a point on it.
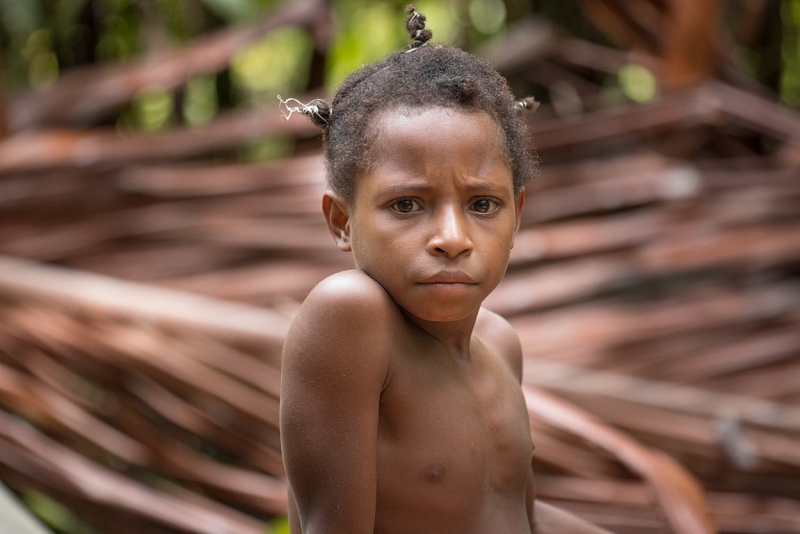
(401, 409)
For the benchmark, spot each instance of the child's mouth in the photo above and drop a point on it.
(449, 278)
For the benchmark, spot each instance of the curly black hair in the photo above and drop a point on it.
(421, 76)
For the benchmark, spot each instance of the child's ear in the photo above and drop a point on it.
(337, 215)
(519, 202)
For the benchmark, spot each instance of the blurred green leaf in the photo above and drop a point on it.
(790, 53)
(66, 13)
(487, 16)
(233, 10)
(279, 525)
(21, 17)
(200, 100)
(152, 108)
(54, 514)
(278, 64)
(267, 149)
(365, 32)
(637, 83)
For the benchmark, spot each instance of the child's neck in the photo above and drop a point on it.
(455, 336)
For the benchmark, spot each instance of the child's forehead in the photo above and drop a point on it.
(427, 119)
(406, 130)
(438, 141)
(410, 111)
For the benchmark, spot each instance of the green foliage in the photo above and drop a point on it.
(278, 64)
(790, 53)
(55, 515)
(19, 20)
(152, 108)
(42, 60)
(367, 31)
(267, 149)
(487, 16)
(279, 525)
(40, 39)
(200, 102)
(637, 83)
(235, 10)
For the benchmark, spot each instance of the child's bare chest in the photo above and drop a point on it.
(453, 438)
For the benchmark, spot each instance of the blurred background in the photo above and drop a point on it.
(160, 224)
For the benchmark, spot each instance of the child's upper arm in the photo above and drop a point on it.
(334, 366)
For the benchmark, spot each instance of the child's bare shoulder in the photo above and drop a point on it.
(347, 313)
(347, 296)
(501, 338)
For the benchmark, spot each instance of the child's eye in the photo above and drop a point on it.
(485, 205)
(406, 205)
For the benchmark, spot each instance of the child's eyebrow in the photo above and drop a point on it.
(411, 187)
(406, 188)
(485, 186)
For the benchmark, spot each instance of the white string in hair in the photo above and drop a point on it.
(312, 108)
(523, 104)
(411, 47)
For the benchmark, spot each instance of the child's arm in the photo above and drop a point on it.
(332, 375)
(547, 519)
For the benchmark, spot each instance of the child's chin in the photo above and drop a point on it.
(442, 314)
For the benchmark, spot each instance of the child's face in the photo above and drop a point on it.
(434, 216)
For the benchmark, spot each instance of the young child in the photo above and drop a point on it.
(401, 406)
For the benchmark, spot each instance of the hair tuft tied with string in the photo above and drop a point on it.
(415, 26)
(317, 110)
(527, 104)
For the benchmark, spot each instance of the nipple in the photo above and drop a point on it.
(435, 472)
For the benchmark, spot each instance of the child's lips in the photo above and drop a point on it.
(449, 278)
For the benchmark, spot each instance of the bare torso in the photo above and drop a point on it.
(453, 449)
(454, 446)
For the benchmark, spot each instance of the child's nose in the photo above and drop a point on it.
(451, 234)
